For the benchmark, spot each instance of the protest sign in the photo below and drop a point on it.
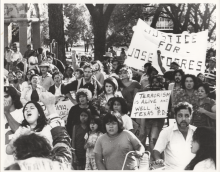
(63, 108)
(188, 50)
(151, 104)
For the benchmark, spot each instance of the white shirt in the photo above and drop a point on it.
(8, 55)
(57, 90)
(177, 149)
(207, 164)
(127, 122)
(15, 56)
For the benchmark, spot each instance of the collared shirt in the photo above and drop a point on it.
(16, 56)
(176, 148)
(46, 81)
(58, 90)
(184, 97)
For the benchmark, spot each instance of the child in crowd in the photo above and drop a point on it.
(78, 141)
(119, 105)
(91, 137)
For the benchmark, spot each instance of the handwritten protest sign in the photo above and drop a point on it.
(63, 108)
(188, 50)
(151, 104)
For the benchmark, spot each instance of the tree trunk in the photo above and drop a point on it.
(100, 21)
(56, 28)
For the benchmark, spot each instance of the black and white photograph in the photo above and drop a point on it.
(109, 86)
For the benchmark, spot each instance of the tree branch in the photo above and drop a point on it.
(211, 31)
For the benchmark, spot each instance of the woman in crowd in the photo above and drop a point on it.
(20, 77)
(118, 104)
(205, 113)
(98, 71)
(110, 89)
(83, 98)
(33, 152)
(34, 120)
(27, 79)
(204, 146)
(111, 148)
(130, 86)
(68, 75)
(33, 91)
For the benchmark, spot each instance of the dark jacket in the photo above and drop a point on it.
(52, 89)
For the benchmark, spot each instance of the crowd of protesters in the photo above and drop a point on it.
(99, 131)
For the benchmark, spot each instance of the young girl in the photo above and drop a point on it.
(118, 104)
(91, 137)
(78, 141)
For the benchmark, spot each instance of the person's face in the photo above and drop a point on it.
(19, 75)
(11, 77)
(84, 117)
(69, 72)
(211, 64)
(95, 67)
(83, 99)
(183, 118)
(44, 69)
(155, 82)
(14, 49)
(189, 83)
(31, 113)
(29, 74)
(57, 79)
(50, 60)
(177, 77)
(117, 107)
(7, 99)
(78, 75)
(123, 74)
(194, 147)
(146, 69)
(87, 73)
(202, 93)
(93, 126)
(112, 128)
(201, 77)
(34, 80)
(29, 47)
(114, 65)
(109, 88)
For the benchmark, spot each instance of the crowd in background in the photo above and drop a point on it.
(98, 130)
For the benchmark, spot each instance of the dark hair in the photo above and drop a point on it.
(148, 64)
(31, 145)
(111, 81)
(26, 79)
(33, 76)
(183, 105)
(124, 105)
(88, 112)
(205, 86)
(206, 138)
(160, 87)
(82, 64)
(40, 50)
(14, 96)
(200, 74)
(57, 73)
(81, 93)
(96, 120)
(28, 45)
(41, 121)
(190, 76)
(178, 71)
(110, 117)
(80, 70)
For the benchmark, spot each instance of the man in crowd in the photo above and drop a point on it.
(175, 141)
(89, 81)
(176, 87)
(144, 81)
(113, 52)
(29, 51)
(58, 88)
(16, 58)
(45, 80)
(210, 75)
(8, 53)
